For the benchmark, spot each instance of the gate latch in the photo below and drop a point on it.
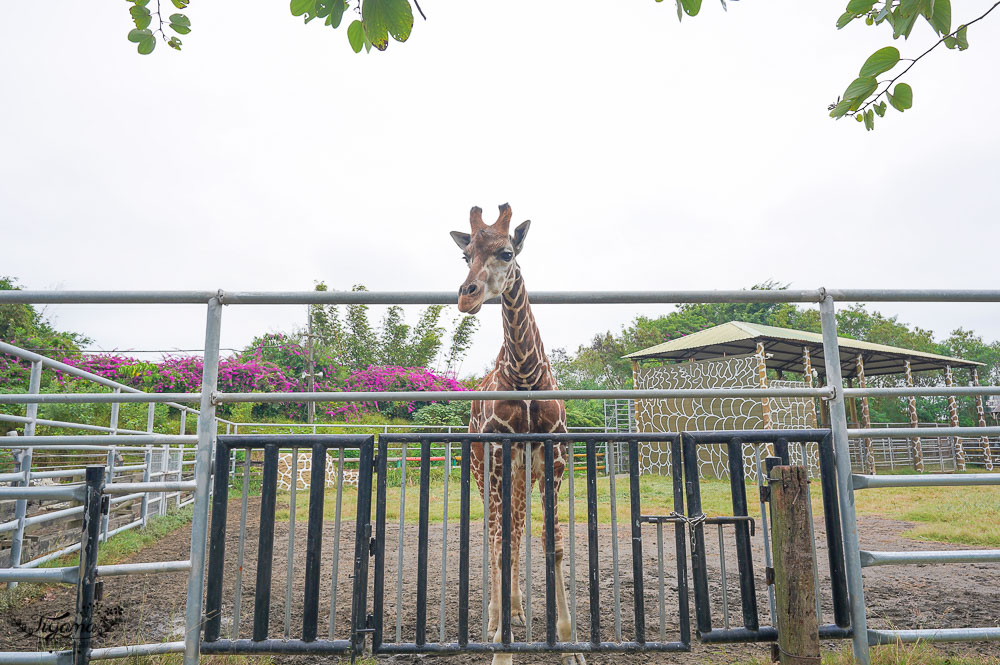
(765, 494)
(371, 547)
(769, 576)
(105, 504)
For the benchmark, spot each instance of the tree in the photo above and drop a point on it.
(378, 20)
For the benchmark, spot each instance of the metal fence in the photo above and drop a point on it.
(834, 392)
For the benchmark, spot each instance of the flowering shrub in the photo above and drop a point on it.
(390, 379)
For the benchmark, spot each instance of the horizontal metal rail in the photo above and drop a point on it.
(74, 493)
(87, 441)
(922, 391)
(872, 558)
(876, 432)
(98, 398)
(166, 486)
(5, 417)
(537, 297)
(71, 574)
(925, 480)
(876, 637)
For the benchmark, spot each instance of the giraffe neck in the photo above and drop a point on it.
(523, 364)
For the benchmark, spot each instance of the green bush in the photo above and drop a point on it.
(442, 414)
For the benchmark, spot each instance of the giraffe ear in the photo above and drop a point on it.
(520, 233)
(461, 239)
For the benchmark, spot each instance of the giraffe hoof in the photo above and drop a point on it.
(573, 659)
(517, 617)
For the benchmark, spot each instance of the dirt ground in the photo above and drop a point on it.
(151, 608)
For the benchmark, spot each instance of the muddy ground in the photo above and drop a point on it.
(151, 608)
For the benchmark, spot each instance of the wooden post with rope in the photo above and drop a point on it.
(792, 547)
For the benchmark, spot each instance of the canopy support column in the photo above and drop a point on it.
(867, 453)
(949, 381)
(916, 454)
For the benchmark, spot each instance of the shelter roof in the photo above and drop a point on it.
(783, 347)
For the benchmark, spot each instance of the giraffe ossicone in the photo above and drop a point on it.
(491, 253)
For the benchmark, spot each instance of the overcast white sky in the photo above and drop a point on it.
(649, 155)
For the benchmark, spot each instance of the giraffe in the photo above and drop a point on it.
(490, 252)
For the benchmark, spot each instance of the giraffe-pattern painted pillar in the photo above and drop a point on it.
(765, 403)
(949, 380)
(981, 415)
(807, 372)
(867, 453)
(915, 453)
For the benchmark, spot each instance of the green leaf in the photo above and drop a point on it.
(140, 16)
(180, 4)
(950, 42)
(860, 89)
(902, 97)
(147, 44)
(859, 117)
(300, 7)
(180, 19)
(691, 7)
(179, 29)
(174, 43)
(842, 107)
(880, 61)
(903, 24)
(382, 18)
(336, 14)
(844, 19)
(356, 35)
(880, 109)
(940, 20)
(136, 35)
(860, 6)
(869, 120)
(961, 38)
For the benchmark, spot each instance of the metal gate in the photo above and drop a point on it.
(595, 634)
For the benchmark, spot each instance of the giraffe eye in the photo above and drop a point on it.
(506, 256)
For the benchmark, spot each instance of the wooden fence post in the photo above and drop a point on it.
(792, 546)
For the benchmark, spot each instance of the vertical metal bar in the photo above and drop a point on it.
(812, 535)
(637, 581)
(549, 506)
(144, 505)
(180, 456)
(165, 469)
(834, 535)
(24, 467)
(422, 536)
(402, 537)
(744, 553)
(378, 602)
(359, 605)
(108, 479)
(380, 554)
(265, 543)
(528, 576)
(444, 535)
(83, 625)
(487, 458)
(314, 539)
(838, 421)
(290, 562)
(115, 410)
(680, 543)
(725, 582)
(593, 571)
(659, 571)
(241, 547)
(505, 566)
(217, 550)
(611, 465)
(202, 473)
(572, 543)
(463, 547)
(765, 529)
(699, 565)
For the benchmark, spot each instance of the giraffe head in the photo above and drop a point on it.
(490, 253)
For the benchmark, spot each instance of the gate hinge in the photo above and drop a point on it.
(371, 547)
(105, 504)
(765, 494)
(769, 576)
